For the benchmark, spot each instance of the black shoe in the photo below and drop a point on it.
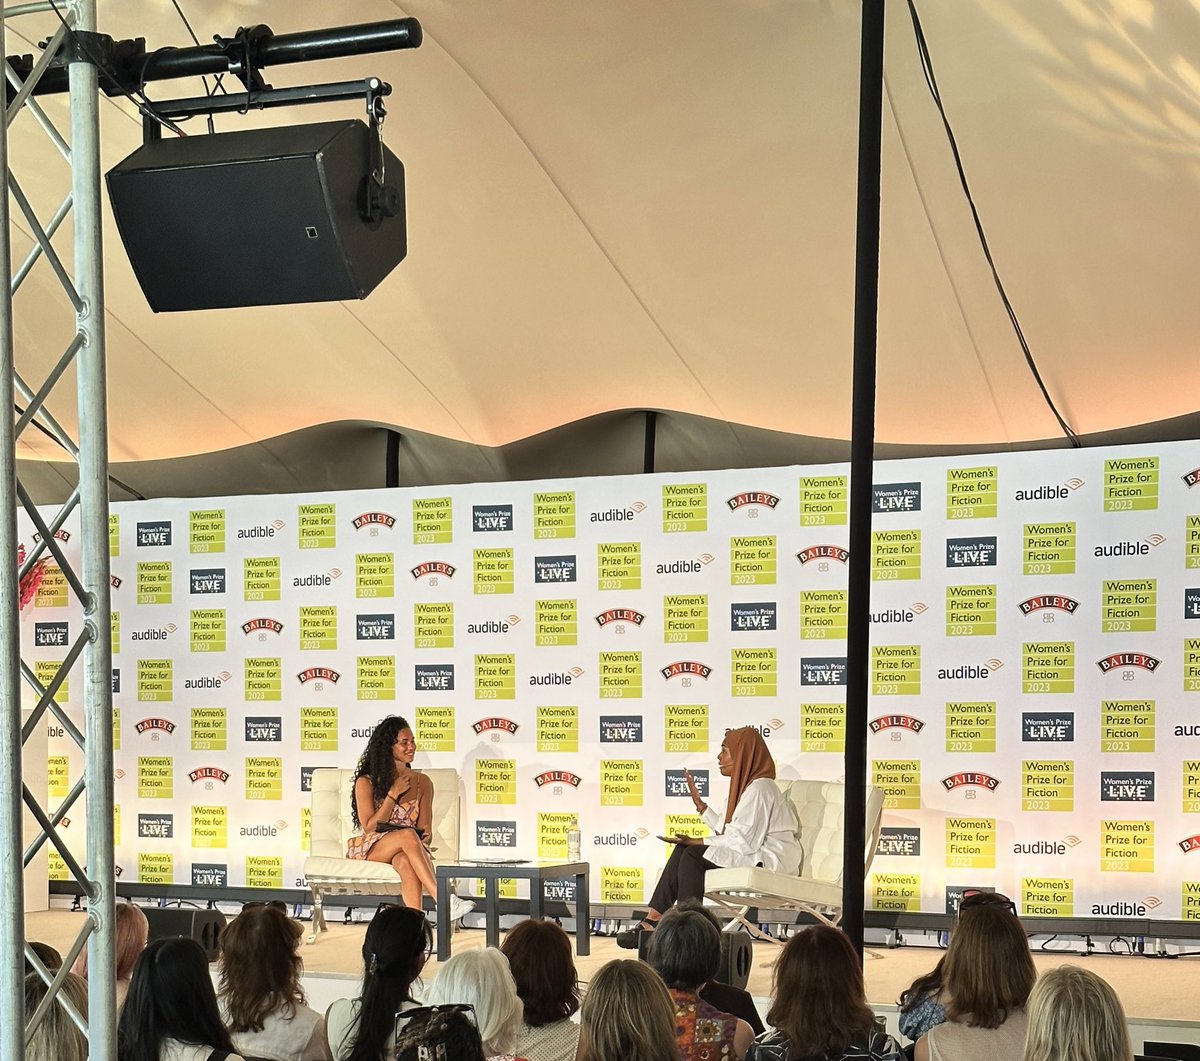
(629, 938)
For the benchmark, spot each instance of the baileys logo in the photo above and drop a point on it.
(823, 552)
(752, 498)
(896, 722)
(318, 674)
(557, 777)
(505, 724)
(433, 567)
(155, 726)
(970, 778)
(1049, 600)
(1128, 659)
(374, 520)
(620, 615)
(262, 626)
(208, 773)
(674, 670)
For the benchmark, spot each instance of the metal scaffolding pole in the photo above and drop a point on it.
(84, 299)
(93, 492)
(12, 888)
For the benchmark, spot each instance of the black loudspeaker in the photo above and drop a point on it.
(259, 217)
(204, 926)
(737, 956)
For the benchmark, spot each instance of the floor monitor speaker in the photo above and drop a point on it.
(258, 217)
(737, 958)
(204, 926)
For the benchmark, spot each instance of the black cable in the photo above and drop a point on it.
(931, 81)
(218, 79)
(58, 442)
(1045, 943)
(1112, 945)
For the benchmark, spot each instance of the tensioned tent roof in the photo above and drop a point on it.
(622, 205)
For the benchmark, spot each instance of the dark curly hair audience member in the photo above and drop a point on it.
(170, 1013)
(448, 1035)
(539, 955)
(686, 952)
(261, 997)
(627, 1015)
(988, 974)
(397, 943)
(819, 1007)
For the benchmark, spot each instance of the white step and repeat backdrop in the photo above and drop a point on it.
(571, 646)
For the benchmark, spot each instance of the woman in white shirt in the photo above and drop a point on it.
(756, 827)
(261, 999)
(170, 1013)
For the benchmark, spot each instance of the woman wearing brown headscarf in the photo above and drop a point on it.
(756, 827)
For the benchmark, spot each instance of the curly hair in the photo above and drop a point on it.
(377, 762)
(260, 967)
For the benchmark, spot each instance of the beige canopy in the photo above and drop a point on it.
(619, 205)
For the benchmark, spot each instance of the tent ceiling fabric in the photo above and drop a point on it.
(627, 205)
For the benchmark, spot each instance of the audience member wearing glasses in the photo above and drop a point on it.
(262, 1000)
(170, 1013)
(395, 949)
(1076, 1016)
(987, 976)
(482, 979)
(393, 806)
(819, 1005)
(627, 1015)
(131, 930)
(922, 1003)
(685, 951)
(539, 956)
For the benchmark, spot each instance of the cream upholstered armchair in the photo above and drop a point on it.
(817, 888)
(330, 872)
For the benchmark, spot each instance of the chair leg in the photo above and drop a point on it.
(318, 915)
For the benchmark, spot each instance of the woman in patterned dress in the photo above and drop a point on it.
(393, 805)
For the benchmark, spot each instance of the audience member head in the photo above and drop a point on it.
(988, 971)
(627, 1014)
(57, 1037)
(131, 930)
(685, 948)
(171, 996)
(539, 956)
(819, 1001)
(397, 942)
(260, 967)
(481, 978)
(46, 954)
(1076, 1016)
(448, 1035)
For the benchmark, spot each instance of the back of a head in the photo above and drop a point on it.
(539, 956)
(627, 1015)
(395, 946)
(819, 999)
(1074, 1015)
(57, 1037)
(446, 1036)
(48, 956)
(988, 969)
(481, 978)
(130, 931)
(260, 966)
(685, 949)
(171, 996)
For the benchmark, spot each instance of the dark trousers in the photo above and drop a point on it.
(683, 877)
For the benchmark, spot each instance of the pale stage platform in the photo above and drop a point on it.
(1161, 996)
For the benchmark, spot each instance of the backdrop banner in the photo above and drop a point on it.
(571, 646)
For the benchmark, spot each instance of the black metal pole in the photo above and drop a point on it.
(128, 66)
(651, 438)
(862, 452)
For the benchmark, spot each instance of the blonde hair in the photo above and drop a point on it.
(627, 1014)
(482, 979)
(57, 1037)
(1076, 1016)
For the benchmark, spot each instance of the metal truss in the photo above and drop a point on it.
(82, 284)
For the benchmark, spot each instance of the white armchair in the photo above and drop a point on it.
(330, 872)
(817, 888)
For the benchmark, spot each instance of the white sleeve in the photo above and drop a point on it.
(745, 833)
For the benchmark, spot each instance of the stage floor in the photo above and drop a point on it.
(1152, 989)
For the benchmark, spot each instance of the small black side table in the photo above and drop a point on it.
(490, 873)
